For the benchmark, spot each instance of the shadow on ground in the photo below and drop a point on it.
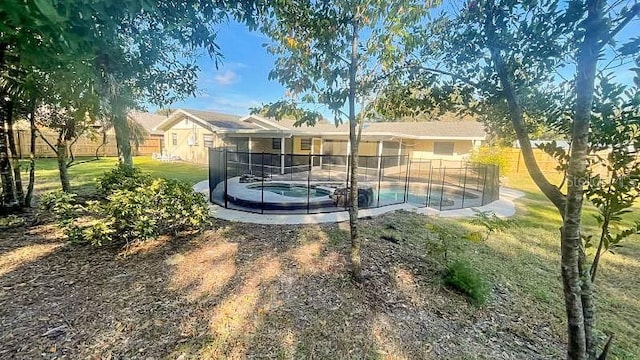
(240, 291)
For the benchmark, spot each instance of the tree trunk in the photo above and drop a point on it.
(15, 156)
(517, 120)
(123, 134)
(604, 231)
(8, 194)
(32, 154)
(61, 152)
(569, 206)
(104, 142)
(588, 310)
(356, 261)
(580, 333)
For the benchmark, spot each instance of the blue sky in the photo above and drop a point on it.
(241, 80)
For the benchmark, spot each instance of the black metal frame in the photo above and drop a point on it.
(473, 184)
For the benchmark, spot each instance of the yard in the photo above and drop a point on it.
(240, 290)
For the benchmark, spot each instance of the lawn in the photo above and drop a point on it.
(238, 290)
(85, 171)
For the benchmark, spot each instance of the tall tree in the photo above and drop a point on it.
(514, 58)
(337, 54)
(138, 52)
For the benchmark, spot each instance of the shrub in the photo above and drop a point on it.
(135, 207)
(96, 232)
(11, 221)
(60, 205)
(492, 155)
(163, 207)
(491, 222)
(462, 277)
(122, 177)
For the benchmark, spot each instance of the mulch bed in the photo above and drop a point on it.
(247, 291)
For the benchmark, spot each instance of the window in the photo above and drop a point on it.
(207, 140)
(442, 148)
(276, 144)
(174, 138)
(305, 144)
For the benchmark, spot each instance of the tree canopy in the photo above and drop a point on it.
(523, 66)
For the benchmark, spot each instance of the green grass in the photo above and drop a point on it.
(462, 277)
(528, 259)
(83, 175)
(524, 260)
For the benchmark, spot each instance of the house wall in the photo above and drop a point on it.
(266, 145)
(195, 151)
(297, 146)
(423, 149)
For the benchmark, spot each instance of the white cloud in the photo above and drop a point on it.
(234, 104)
(228, 77)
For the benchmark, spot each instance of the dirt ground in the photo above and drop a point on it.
(248, 291)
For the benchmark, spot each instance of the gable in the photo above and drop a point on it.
(182, 120)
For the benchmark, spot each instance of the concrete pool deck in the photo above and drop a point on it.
(504, 207)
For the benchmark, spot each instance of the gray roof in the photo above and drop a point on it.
(445, 127)
(435, 128)
(148, 121)
(461, 129)
(221, 120)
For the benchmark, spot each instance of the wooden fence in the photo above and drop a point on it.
(515, 161)
(547, 164)
(83, 147)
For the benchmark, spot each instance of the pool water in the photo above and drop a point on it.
(291, 190)
(395, 195)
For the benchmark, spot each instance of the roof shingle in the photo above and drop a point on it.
(450, 127)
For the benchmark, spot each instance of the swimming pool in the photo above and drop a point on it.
(436, 197)
(292, 190)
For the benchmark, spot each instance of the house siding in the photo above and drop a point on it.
(195, 152)
(423, 149)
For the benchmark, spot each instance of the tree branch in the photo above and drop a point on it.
(45, 140)
(516, 115)
(452, 75)
(635, 10)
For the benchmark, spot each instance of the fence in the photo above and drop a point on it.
(515, 161)
(84, 146)
(276, 183)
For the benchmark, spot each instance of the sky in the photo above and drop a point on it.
(241, 80)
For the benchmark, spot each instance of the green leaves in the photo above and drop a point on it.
(50, 12)
(491, 222)
(313, 42)
(135, 207)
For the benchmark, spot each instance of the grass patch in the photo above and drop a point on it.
(83, 175)
(462, 277)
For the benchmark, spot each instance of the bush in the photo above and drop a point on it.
(163, 207)
(60, 205)
(11, 221)
(135, 207)
(122, 177)
(491, 222)
(492, 155)
(462, 277)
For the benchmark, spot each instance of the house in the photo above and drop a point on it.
(189, 133)
(154, 139)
